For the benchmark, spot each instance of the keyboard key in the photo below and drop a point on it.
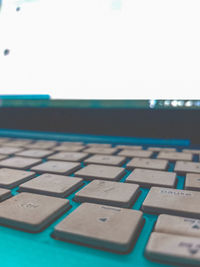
(177, 225)
(93, 171)
(3, 157)
(69, 156)
(175, 249)
(98, 145)
(148, 178)
(4, 194)
(70, 148)
(172, 201)
(19, 162)
(135, 153)
(106, 160)
(129, 147)
(174, 156)
(158, 149)
(71, 143)
(52, 185)
(101, 150)
(42, 144)
(192, 151)
(18, 142)
(35, 153)
(4, 140)
(192, 181)
(104, 227)
(31, 212)
(183, 167)
(158, 164)
(10, 178)
(108, 193)
(9, 150)
(57, 167)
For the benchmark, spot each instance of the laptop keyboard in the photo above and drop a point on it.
(109, 189)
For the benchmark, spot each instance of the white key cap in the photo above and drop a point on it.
(3, 157)
(135, 153)
(69, 148)
(42, 144)
(35, 153)
(192, 181)
(101, 150)
(69, 156)
(10, 178)
(104, 227)
(98, 145)
(174, 156)
(19, 162)
(172, 201)
(31, 212)
(5, 150)
(93, 171)
(148, 178)
(192, 151)
(129, 147)
(108, 193)
(158, 164)
(18, 143)
(106, 160)
(52, 185)
(177, 225)
(158, 149)
(4, 140)
(71, 143)
(57, 167)
(184, 166)
(176, 249)
(4, 194)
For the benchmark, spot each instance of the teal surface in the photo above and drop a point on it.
(22, 249)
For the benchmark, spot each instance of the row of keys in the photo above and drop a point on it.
(105, 227)
(176, 240)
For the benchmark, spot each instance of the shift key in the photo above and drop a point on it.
(172, 201)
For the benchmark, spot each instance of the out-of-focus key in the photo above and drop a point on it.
(69, 156)
(19, 162)
(135, 153)
(3, 157)
(192, 151)
(71, 143)
(42, 144)
(106, 160)
(158, 149)
(174, 156)
(52, 185)
(157, 164)
(98, 145)
(192, 181)
(148, 178)
(104, 227)
(69, 148)
(10, 178)
(108, 193)
(172, 201)
(31, 212)
(35, 153)
(101, 150)
(177, 225)
(18, 142)
(129, 147)
(103, 172)
(4, 194)
(5, 150)
(182, 250)
(57, 167)
(4, 140)
(183, 167)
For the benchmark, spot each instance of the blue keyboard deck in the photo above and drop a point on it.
(19, 248)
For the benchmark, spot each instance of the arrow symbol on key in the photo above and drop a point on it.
(103, 219)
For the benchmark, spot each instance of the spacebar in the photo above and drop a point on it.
(172, 201)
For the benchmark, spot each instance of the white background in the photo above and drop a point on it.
(101, 48)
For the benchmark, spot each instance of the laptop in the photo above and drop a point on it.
(99, 182)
